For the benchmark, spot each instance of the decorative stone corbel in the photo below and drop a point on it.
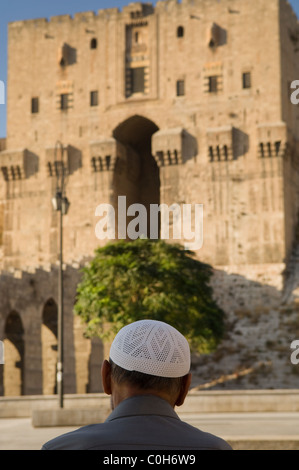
(173, 146)
(18, 164)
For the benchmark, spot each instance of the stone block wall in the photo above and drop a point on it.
(182, 103)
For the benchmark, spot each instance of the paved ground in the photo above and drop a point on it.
(252, 431)
(244, 430)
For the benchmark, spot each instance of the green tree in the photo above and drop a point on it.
(130, 281)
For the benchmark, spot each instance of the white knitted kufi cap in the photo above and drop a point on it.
(151, 347)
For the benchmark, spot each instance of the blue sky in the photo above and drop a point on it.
(15, 10)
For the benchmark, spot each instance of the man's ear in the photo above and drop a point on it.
(106, 377)
(184, 389)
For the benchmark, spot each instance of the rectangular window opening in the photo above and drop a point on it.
(213, 84)
(138, 80)
(180, 88)
(34, 105)
(94, 98)
(64, 101)
(246, 80)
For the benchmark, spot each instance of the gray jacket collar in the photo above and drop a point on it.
(143, 405)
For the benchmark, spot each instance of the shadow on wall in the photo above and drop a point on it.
(260, 326)
(240, 143)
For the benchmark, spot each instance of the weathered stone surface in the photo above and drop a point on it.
(178, 103)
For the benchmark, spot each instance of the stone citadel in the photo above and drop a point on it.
(185, 103)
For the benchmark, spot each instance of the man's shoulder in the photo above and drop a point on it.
(123, 430)
(199, 439)
(83, 438)
(99, 436)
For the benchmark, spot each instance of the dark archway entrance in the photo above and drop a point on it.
(136, 172)
(14, 356)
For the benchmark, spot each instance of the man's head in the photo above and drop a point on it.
(148, 357)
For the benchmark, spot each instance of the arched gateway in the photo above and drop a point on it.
(13, 376)
(136, 174)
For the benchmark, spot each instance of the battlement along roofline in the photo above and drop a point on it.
(146, 8)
